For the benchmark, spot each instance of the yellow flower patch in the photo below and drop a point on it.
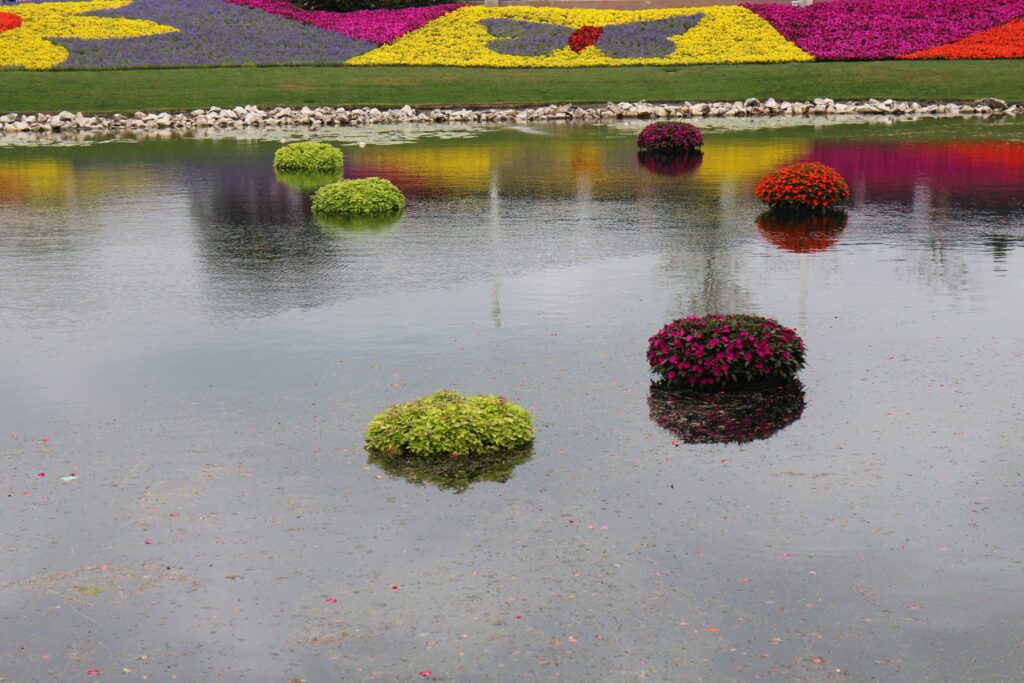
(27, 45)
(726, 34)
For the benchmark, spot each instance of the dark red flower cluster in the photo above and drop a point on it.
(584, 37)
(721, 351)
(670, 138)
(727, 416)
(9, 21)
(804, 185)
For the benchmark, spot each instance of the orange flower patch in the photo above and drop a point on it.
(1001, 42)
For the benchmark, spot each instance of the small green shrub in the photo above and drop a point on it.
(365, 197)
(308, 157)
(448, 424)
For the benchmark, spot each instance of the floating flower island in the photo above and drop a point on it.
(724, 351)
(802, 187)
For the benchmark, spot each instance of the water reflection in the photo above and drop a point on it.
(802, 233)
(337, 225)
(987, 174)
(735, 416)
(672, 165)
(307, 181)
(452, 474)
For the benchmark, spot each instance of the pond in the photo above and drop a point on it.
(188, 362)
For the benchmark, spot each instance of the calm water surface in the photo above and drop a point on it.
(179, 334)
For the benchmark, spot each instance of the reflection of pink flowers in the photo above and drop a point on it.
(972, 172)
(373, 25)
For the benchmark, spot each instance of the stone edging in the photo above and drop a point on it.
(252, 116)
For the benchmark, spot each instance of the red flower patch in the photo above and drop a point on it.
(9, 21)
(584, 37)
(1001, 42)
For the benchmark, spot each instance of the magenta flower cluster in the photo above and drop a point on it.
(670, 138)
(841, 30)
(720, 351)
(372, 25)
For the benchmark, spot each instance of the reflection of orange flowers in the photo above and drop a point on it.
(801, 233)
(1001, 42)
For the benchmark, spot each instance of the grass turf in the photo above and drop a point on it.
(171, 89)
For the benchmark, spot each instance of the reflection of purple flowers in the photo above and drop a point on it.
(618, 41)
(372, 25)
(212, 32)
(727, 416)
(882, 29)
(674, 165)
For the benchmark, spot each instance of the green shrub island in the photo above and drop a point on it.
(449, 425)
(363, 197)
(452, 473)
(308, 157)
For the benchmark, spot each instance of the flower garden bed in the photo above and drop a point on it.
(47, 34)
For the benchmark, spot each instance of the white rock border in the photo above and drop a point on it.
(254, 117)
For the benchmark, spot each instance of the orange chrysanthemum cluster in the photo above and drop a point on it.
(806, 185)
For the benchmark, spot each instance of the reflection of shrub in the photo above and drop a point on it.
(451, 472)
(727, 416)
(337, 224)
(670, 164)
(805, 185)
(308, 157)
(366, 196)
(307, 181)
(722, 351)
(670, 138)
(448, 424)
(802, 233)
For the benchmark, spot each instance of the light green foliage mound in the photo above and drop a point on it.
(448, 424)
(364, 197)
(308, 157)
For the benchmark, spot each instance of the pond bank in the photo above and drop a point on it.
(251, 116)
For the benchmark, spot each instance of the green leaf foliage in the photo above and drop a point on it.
(308, 157)
(364, 197)
(447, 425)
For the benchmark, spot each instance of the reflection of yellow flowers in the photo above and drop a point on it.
(27, 45)
(726, 34)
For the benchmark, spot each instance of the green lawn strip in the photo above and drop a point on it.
(179, 89)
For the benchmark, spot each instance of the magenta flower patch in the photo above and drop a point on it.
(843, 30)
(721, 351)
(373, 25)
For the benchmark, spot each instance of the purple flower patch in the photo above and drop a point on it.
(212, 32)
(842, 30)
(635, 39)
(373, 25)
